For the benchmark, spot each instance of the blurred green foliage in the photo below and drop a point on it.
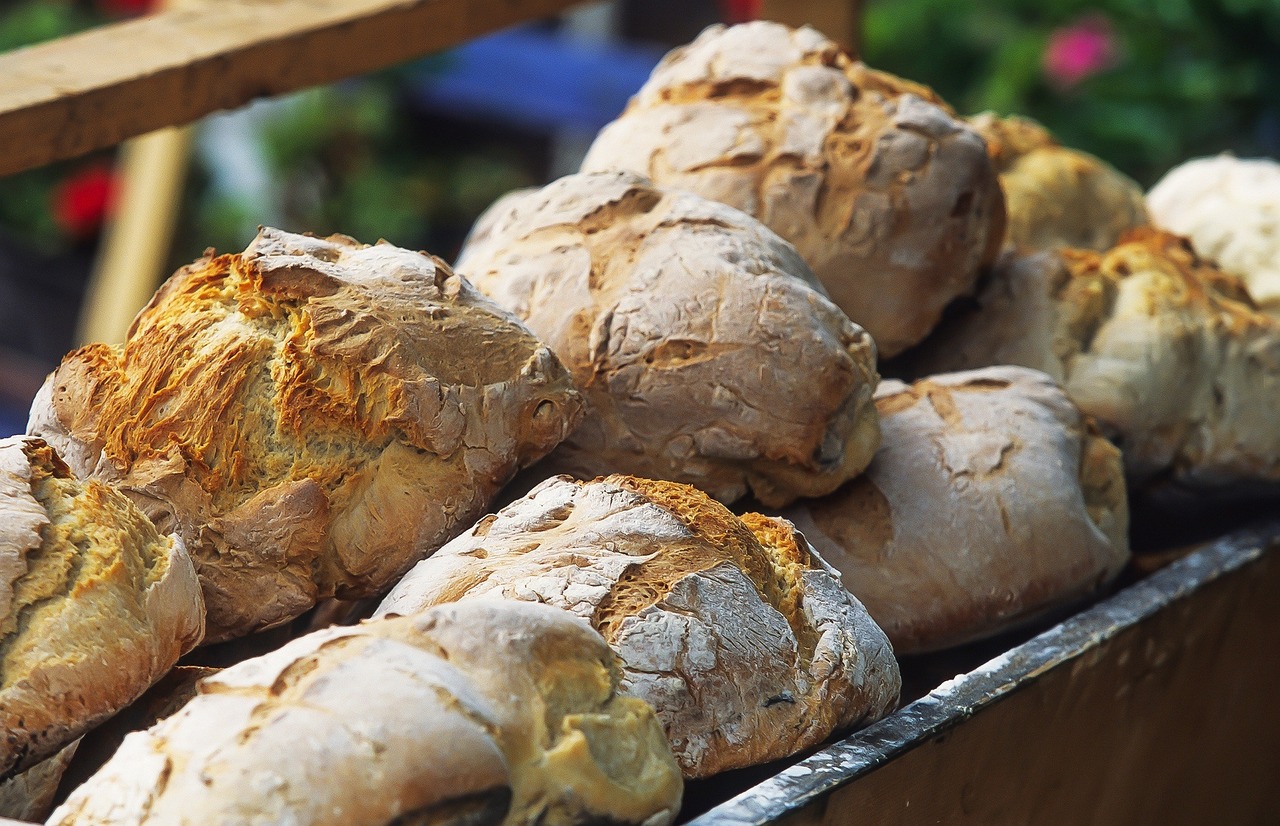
(1188, 78)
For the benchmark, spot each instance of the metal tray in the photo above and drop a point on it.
(1156, 705)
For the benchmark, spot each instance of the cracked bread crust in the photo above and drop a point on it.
(1169, 354)
(311, 416)
(888, 196)
(991, 500)
(1230, 209)
(702, 342)
(744, 643)
(95, 605)
(475, 715)
(1054, 196)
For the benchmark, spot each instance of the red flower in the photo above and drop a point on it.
(1080, 50)
(82, 202)
(739, 11)
(127, 8)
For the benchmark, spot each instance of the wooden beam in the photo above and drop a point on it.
(840, 20)
(72, 95)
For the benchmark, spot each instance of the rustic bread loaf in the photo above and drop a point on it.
(746, 646)
(889, 197)
(1055, 196)
(478, 714)
(701, 340)
(1230, 209)
(311, 416)
(1165, 351)
(989, 501)
(29, 795)
(95, 605)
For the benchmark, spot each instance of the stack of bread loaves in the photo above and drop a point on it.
(315, 418)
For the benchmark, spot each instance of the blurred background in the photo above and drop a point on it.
(415, 153)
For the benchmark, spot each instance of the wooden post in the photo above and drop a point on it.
(839, 20)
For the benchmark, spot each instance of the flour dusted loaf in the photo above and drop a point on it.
(1056, 196)
(989, 502)
(1230, 209)
(311, 416)
(889, 197)
(745, 644)
(473, 714)
(702, 342)
(95, 605)
(1165, 351)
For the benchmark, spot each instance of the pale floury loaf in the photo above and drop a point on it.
(1168, 353)
(1230, 209)
(467, 715)
(706, 350)
(742, 640)
(1056, 196)
(989, 502)
(890, 198)
(95, 604)
(312, 416)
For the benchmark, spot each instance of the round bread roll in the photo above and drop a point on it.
(742, 641)
(1230, 209)
(702, 342)
(1165, 351)
(1055, 196)
(889, 197)
(95, 605)
(473, 715)
(989, 502)
(312, 417)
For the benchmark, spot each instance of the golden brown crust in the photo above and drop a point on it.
(747, 651)
(96, 604)
(311, 416)
(1056, 196)
(889, 197)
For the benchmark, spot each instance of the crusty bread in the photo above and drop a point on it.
(1166, 352)
(1056, 196)
(990, 501)
(28, 796)
(311, 416)
(702, 342)
(746, 646)
(471, 715)
(1230, 209)
(889, 197)
(95, 604)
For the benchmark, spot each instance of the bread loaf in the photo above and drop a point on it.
(28, 796)
(1165, 351)
(989, 501)
(95, 604)
(1230, 209)
(744, 643)
(889, 197)
(311, 416)
(1055, 196)
(473, 715)
(701, 340)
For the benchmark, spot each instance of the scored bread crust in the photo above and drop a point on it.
(95, 605)
(990, 501)
(1056, 196)
(1230, 209)
(474, 715)
(746, 646)
(702, 342)
(890, 198)
(1167, 353)
(311, 416)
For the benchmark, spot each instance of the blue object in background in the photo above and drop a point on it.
(536, 79)
(12, 421)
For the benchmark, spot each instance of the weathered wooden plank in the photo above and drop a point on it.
(70, 96)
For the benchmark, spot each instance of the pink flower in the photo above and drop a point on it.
(1080, 50)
